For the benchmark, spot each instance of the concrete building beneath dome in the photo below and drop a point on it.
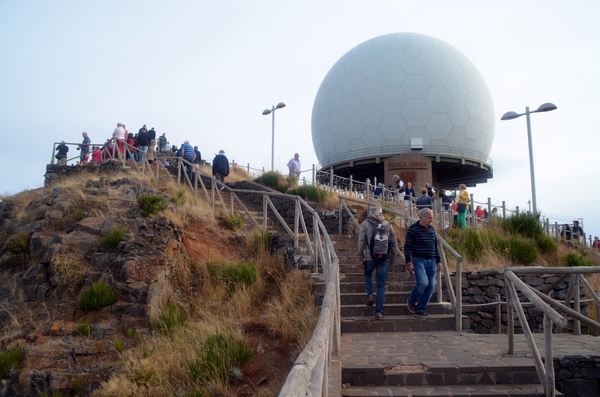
(442, 171)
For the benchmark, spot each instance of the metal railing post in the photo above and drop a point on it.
(504, 210)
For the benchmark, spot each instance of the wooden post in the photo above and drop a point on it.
(458, 313)
(548, 358)
(504, 210)
(297, 213)
(498, 314)
(340, 216)
(265, 198)
(510, 322)
(576, 302)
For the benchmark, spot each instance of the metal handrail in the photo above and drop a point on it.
(545, 304)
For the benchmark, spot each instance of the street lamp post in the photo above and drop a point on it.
(272, 112)
(546, 107)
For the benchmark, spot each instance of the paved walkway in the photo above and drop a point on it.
(410, 351)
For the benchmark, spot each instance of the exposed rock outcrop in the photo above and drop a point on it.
(50, 252)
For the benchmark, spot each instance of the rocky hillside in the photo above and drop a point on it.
(54, 247)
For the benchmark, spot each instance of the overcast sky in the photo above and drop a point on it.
(205, 70)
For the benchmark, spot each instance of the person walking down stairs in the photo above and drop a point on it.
(377, 247)
(423, 259)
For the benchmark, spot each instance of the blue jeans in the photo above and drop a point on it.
(381, 268)
(142, 154)
(425, 271)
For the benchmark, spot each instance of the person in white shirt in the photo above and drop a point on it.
(294, 166)
(119, 135)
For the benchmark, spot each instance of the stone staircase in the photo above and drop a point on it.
(403, 355)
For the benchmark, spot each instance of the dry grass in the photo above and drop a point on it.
(236, 173)
(281, 303)
(293, 315)
(71, 269)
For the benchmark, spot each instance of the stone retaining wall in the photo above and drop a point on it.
(482, 287)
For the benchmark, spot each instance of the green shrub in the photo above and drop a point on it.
(9, 359)
(146, 376)
(235, 220)
(218, 359)
(574, 259)
(312, 193)
(180, 198)
(524, 225)
(522, 250)
(170, 319)
(261, 241)
(273, 180)
(77, 386)
(292, 181)
(239, 274)
(78, 215)
(97, 296)
(498, 242)
(83, 329)
(473, 245)
(119, 345)
(152, 204)
(546, 244)
(110, 241)
(133, 334)
(18, 243)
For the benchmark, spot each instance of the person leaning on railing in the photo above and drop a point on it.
(61, 156)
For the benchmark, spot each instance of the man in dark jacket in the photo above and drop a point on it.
(369, 264)
(62, 153)
(423, 259)
(197, 158)
(220, 166)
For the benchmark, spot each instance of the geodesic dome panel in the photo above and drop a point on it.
(399, 86)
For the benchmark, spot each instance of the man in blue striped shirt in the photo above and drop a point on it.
(423, 259)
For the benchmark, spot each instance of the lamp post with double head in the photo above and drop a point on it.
(272, 112)
(546, 107)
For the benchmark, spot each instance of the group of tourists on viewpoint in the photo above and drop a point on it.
(143, 146)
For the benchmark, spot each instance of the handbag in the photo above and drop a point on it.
(461, 207)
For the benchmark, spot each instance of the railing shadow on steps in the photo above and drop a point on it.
(309, 374)
(454, 292)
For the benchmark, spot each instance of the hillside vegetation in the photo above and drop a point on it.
(120, 286)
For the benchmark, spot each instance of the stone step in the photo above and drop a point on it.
(393, 276)
(354, 267)
(493, 373)
(390, 298)
(406, 323)
(359, 286)
(517, 390)
(399, 309)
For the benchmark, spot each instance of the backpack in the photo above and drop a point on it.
(162, 141)
(380, 246)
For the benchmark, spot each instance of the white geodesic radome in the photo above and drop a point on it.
(399, 86)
